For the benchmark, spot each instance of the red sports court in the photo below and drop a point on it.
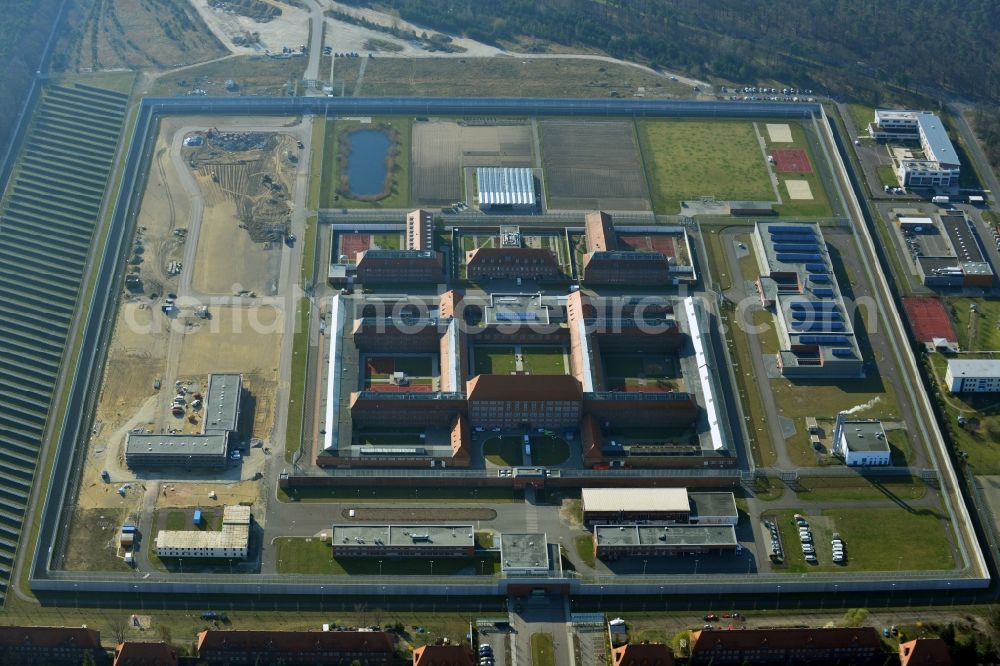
(929, 319)
(791, 160)
(351, 244)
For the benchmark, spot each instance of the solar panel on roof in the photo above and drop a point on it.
(786, 229)
(821, 279)
(818, 326)
(824, 340)
(817, 268)
(843, 353)
(796, 247)
(813, 305)
(817, 315)
(823, 291)
(797, 258)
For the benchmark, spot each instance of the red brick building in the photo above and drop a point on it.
(145, 654)
(443, 655)
(924, 652)
(236, 648)
(857, 646)
(606, 264)
(642, 654)
(49, 645)
(512, 262)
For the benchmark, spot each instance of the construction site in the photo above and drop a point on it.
(205, 263)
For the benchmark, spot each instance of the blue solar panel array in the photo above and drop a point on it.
(777, 229)
(825, 340)
(818, 326)
(819, 278)
(793, 238)
(516, 316)
(796, 257)
(813, 305)
(795, 247)
(843, 353)
(828, 315)
(825, 292)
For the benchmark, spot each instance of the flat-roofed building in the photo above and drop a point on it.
(861, 442)
(157, 451)
(506, 188)
(403, 541)
(524, 554)
(860, 646)
(613, 541)
(973, 376)
(940, 166)
(798, 285)
(629, 505)
(713, 509)
(230, 542)
(222, 403)
(302, 648)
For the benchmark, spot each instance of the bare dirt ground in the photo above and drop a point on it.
(291, 29)
(108, 34)
(93, 539)
(185, 495)
(442, 148)
(237, 188)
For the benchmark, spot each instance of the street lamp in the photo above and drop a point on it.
(432, 567)
(644, 567)
(380, 568)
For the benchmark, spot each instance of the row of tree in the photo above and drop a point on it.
(24, 31)
(987, 125)
(851, 47)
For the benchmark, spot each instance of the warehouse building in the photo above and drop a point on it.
(220, 425)
(231, 542)
(861, 442)
(797, 284)
(973, 376)
(713, 509)
(630, 505)
(614, 541)
(188, 451)
(403, 541)
(524, 554)
(940, 167)
(505, 188)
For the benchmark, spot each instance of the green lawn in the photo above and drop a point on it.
(309, 251)
(494, 360)
(801, 398)
(888, 176)
(875, 539)
(584, 545)
(688, 159)
(856, 488)
(176, 520)
(297, 390)
(862, 116)
(819, 205)
(546, 450)
(979, 330)
(311, 556)
(543, 360)
(977, 439)
(650, 366)
(504, 451)
(399, 196)
(387, 241)
(414, 366)
(543, 650)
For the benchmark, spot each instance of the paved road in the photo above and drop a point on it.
(316, 22)
(546, 615)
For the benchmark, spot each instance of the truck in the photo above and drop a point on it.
(940, 199)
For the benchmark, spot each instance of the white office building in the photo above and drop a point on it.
(974, 376)
(861, 442)
(939, 167)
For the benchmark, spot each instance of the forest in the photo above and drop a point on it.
(23, 32)
(987, 125)
(851, 48)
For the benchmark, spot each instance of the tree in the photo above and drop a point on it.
(855, 617)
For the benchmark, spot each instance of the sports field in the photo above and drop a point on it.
(799, 182)
(507, 359)
(689, 159)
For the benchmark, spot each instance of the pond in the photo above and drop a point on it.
(367, 162)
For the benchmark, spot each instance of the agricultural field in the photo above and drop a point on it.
(65, 163)
(103, 34)
(443, 149)
(689, 159)
(511, 76)
(603, 172)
